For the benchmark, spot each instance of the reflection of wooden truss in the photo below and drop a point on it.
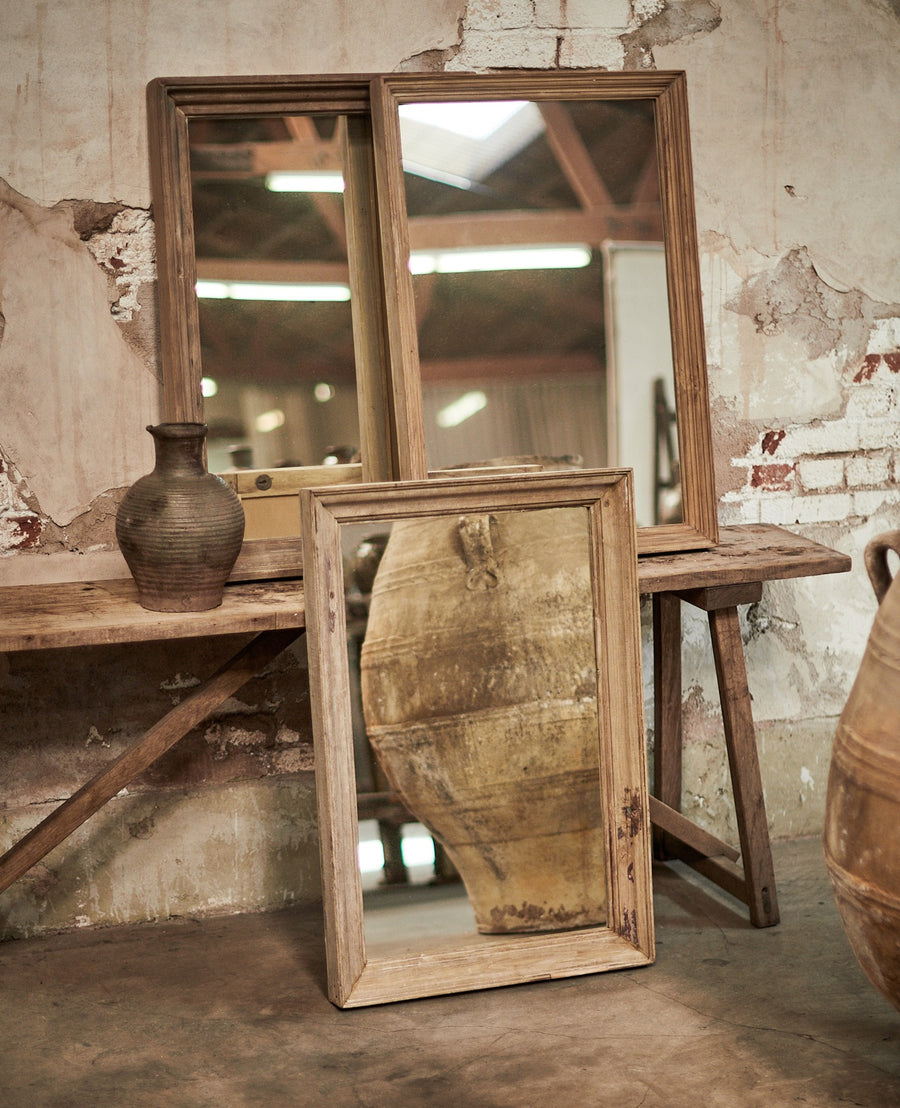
(596, 219)
(295, 143)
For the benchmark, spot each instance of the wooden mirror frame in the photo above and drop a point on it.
(359, 976)
(172, 102)
(668, 91)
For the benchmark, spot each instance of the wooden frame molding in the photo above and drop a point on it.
(172, 102)
(668, 91)
(361, 973)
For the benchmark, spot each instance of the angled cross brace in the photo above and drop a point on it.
(73, 812)
(754, 881)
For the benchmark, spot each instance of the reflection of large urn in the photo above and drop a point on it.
(479, 691)
(862, 813)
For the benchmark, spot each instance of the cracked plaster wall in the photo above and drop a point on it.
(795, 148)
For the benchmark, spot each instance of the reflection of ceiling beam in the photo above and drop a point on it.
(255, 159)
(572, 156)
(509, 366)
(331, 212)
(647, 188)
(634, 221)
(286, 273)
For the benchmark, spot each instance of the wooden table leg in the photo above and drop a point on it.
(743, 760)
(73, 812)
(753, 881)
(666, 707)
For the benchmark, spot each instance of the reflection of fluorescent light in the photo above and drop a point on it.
(416, 849)
(513, 257)
(213, 290)
(269, 421)
(323, 392)
(460, 410)
(313, 181)
(270, 290)
(208, 386)
(371, 856)
(474, 120)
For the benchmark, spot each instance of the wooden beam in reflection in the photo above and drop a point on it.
(260, 269)
(637, 222)
(510, 366)
(239, 160)
(573, 157)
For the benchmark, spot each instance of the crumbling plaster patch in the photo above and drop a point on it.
(785, 157)
(779, 338)
(76, 395)
(576, 34)
(661, 22)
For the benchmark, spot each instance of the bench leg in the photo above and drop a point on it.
(743, 761)
(666, 707)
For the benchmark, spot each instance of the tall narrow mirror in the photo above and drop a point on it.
(474, 666)
(541, 234)
(271, 297)
(273, 288)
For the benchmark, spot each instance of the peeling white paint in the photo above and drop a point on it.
(802, 95)
(76, 396)
(127, 251)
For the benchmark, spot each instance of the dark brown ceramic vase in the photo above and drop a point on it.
(180, 528)
(862, 807)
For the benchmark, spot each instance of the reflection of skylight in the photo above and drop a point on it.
(474, 120)
(452, 144)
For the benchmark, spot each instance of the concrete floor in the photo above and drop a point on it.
(232, 1012)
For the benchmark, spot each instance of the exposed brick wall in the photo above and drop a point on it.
(830, 470)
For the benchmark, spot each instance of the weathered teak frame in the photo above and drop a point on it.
(668, 91)
(391, 419)
(360, 976)
(172, 102)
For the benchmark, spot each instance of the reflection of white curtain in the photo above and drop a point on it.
(541, 416)
(639, 349)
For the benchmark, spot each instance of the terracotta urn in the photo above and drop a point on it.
(478, 680)
(179, 527)
(862, 810)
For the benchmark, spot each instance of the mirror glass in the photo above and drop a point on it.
(474, 660)
(473, 677)
(273, 284)
(539, 281)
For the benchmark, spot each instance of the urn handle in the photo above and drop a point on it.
(482, 571)
(877, 564)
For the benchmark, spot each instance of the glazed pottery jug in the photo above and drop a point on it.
(478, 676)
(862, 810)
(180, 528)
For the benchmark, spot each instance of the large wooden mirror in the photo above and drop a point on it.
(492, 662)
(598, 360)
(270, 285)
(541, 254)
